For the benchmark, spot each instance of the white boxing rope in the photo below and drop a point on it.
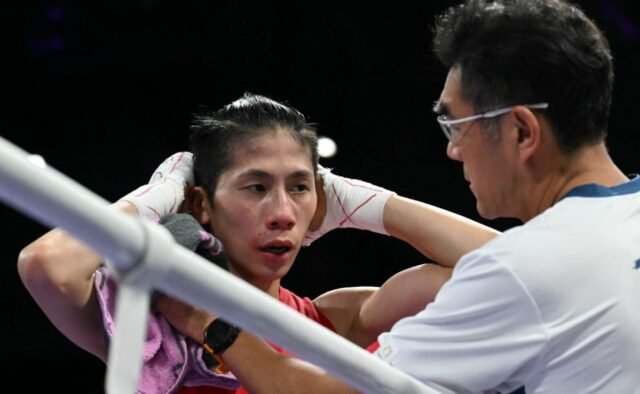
(146, 256)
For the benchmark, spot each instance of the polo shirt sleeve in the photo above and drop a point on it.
(482, 332)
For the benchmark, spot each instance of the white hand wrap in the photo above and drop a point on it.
(166, 189)
(350, 203)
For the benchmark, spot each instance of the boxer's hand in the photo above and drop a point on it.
(349, 203)
(166, 189)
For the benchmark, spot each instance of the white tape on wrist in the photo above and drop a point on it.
(166, 188)
(351, 203)
(155, 201)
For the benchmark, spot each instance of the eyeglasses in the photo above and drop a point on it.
(454, 134)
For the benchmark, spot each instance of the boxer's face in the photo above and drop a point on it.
(263, 205)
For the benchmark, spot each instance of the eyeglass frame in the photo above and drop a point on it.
(454, 137)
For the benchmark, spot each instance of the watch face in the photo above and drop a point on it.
(218, 330)
(219, 335)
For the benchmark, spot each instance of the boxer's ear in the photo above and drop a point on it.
(197, 204)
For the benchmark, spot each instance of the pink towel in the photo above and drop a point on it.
(170, 359)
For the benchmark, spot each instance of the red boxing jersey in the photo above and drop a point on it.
(301, 304)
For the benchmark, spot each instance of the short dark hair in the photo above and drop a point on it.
(528, 51)
(216, 135)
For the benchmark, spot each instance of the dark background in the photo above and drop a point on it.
(104, 91)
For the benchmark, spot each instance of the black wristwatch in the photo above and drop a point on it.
(219, 335)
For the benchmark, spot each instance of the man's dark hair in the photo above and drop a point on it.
(217, 135)
(529, 51)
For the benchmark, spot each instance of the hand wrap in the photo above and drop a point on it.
(351, 203)
(166, 189)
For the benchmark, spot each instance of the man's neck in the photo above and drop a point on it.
(589, 165)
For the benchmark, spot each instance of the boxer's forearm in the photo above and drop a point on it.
(260, 369)
(441, 235)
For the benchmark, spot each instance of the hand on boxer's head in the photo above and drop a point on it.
(350, 203)
(165, 191)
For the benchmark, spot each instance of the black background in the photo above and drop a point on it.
(104, 91)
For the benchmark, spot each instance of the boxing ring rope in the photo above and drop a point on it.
(145, 256)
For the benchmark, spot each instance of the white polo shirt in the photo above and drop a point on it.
(552, 305)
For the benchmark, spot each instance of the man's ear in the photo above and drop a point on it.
(197, 204)
(529, 131)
